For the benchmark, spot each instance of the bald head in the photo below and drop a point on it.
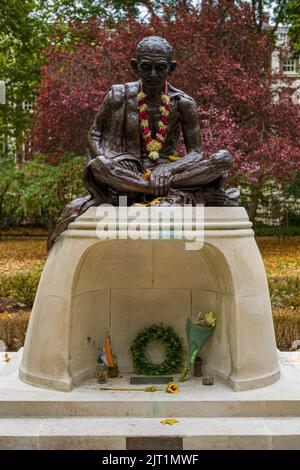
(154, 44)
(153, 62)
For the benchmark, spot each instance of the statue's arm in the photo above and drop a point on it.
(190, 124)
(191, 134)
(101, 124)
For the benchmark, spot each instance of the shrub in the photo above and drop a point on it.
(285, 291)
(21, 287)
(263, 230)
(13, 327)
(287, 327)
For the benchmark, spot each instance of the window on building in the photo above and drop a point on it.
(289, 65)
(27, 106)
(283, 37)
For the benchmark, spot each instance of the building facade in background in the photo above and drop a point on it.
(283, 61)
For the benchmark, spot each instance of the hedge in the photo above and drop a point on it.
(287, 327)
(13, 327)
(286, 322)
(20, 287)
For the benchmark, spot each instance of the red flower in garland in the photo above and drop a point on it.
(162, 132)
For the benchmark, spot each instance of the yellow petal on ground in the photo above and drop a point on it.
(169, 421)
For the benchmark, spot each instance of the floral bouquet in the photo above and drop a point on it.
(197, 333)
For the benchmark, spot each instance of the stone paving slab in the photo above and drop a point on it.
(111, 433)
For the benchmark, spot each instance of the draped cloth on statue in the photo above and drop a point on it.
(108, 136)
(114, 144)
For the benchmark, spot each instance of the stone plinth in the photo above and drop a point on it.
(208, 417)
(89, 286)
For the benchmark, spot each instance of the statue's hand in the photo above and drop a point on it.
(160, 180)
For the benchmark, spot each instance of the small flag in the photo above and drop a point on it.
(106, 355)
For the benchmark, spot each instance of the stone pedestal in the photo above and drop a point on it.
(90, 286)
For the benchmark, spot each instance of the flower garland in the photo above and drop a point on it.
(153, 146)
(174, 352)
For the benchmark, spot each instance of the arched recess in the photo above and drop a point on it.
(121, 286)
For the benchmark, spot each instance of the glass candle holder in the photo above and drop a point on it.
(113, 372)
(207, 380)
(101, 374)
(198, 366)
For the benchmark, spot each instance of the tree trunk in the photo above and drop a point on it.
(50, 224)
(252, 211)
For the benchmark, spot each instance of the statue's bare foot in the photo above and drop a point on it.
(174, 198)
(221, 197)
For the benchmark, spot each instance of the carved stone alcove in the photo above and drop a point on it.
(89, 286)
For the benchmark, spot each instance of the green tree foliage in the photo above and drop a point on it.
(62, 11)
(292, 18)
(22, 38)
(47, 188)
(36, 192)
(8, 189)
(26, 27)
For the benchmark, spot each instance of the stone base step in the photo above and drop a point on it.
(194, 400)
(149, 433)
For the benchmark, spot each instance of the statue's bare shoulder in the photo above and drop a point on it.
(186, 106)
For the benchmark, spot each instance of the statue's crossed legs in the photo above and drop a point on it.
(193, 179)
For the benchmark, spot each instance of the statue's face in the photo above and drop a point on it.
(153, 68)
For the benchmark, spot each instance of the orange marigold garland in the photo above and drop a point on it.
(153, 146)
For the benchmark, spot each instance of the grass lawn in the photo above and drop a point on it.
(21, 255)
(281, 257)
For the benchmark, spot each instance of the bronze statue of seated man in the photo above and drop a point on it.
(132, 144)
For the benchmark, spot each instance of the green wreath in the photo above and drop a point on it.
(174, 353)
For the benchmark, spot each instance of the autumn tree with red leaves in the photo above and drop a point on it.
(223, 62)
